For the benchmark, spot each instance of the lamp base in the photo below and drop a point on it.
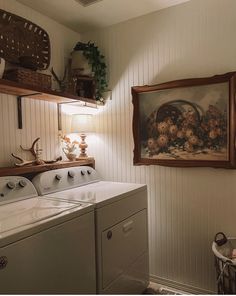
(83, 145)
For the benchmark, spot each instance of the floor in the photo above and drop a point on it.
(155, 289)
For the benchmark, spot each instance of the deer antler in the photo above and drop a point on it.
(61, 82)
(36, 153)
(31, 149)
(22, 161)
(53, 161)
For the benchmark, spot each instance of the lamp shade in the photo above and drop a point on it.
(82, 123)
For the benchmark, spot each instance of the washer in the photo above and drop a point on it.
(46, 246)
(120, 223)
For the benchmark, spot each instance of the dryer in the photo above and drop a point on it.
(120, 223)
(46, 246)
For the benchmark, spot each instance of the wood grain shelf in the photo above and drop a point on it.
(33, 170)
(21, 90)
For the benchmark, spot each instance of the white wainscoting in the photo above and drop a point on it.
(187, 206)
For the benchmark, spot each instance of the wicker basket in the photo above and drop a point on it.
(225, 266)
(20, 38)
(28, 77)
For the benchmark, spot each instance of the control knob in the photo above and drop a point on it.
(89, 172)
(22, 183)
(58, 177)
(82, 173)
(11, 185)
(71, 174)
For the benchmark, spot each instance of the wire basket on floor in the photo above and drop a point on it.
(223, 248)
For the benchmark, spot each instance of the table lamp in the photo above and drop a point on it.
(82, 124)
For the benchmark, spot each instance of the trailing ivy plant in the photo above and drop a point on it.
(96, 60)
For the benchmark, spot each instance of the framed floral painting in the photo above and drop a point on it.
(188, 122)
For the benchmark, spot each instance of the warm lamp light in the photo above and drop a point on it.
(82, 124)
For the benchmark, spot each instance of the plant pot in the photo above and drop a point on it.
(80, 64)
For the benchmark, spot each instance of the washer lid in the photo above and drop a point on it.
(30, 212)
(99, 193)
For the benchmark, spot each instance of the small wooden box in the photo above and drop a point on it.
(85, 87)
(28, 77)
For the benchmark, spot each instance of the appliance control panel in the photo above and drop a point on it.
(14, 188)
(63, 179)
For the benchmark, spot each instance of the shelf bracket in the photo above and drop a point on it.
(59, 117)
(19, 107)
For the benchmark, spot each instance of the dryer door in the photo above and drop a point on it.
(122, 245)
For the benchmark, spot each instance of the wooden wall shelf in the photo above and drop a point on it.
(33, 170)
(21, 90)
(17, 89)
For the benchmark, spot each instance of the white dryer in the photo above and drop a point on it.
(46, 246)
(120, 223)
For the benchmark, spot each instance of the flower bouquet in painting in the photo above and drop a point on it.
(184, 130)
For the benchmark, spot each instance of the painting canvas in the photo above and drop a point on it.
(185, 123)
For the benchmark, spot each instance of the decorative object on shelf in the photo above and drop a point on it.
(61, 82)
(2, 67)
(96, 61)
(69, 148)
(85, 87)
(23, 42)
(28, 62)
(68, 83)
(26, 45)
(188, 122)
(36, 152)
(82, 124)
(29, 77)
(80, 64)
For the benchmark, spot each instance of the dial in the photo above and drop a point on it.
(82, 173)
(71, 174)
(58, 177)
(89, 172)
(22, 183)
(11, 185)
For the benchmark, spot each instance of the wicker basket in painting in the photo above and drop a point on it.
(28, 77)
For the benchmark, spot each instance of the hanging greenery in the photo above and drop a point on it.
(96, 60)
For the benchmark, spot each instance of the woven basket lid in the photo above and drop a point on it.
(22, 40)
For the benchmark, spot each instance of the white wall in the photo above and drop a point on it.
(39, 118)
(187, 206)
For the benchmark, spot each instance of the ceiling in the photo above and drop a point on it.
(100, 14)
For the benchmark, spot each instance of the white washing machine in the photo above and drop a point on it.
(120, 223)
(46, 246)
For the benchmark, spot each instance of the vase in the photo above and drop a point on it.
(70, 155)
(80, 64)
(2, 67)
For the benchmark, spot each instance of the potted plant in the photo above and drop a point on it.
(96, 63)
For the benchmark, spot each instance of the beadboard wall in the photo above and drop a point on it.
(187, 206)
(39, 117)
